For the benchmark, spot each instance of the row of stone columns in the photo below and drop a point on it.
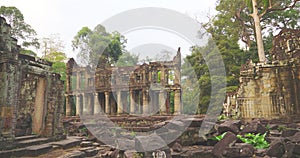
(91, 103)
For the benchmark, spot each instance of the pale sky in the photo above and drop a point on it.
(67, 17)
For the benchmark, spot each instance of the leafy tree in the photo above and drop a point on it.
(233, 23)
(20, 29)
(98, 46)
(28, 52)
(51, 44)
(201, 60)
(243, 19)
(52, 48)
(128, 59)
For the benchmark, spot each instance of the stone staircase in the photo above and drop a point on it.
(33, 145)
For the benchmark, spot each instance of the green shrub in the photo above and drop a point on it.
(257, 140)
(219, 137)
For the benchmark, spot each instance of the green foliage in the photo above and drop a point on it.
(28, 52)
(132, 134)
(138, 155)
(231, 25)
(281, 128)
(60, 68)
(52, 48)
(257, 140)
(98, 46)
(56, 57)
(222, 117)
(20, 29)
(128, 59)
(219, 137)
(200, 60)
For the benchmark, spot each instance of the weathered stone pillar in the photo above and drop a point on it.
(78, 107)
(119, 103)
(97, 108)
(85, 103)
(177, 102)
(177, 75)
(125, 103)
(68, 89)
(168, 103)
(145, 102)
(162, 101)
(78, 80)
(162, 76)
(107, 106)
(132, 102)
(68, 106)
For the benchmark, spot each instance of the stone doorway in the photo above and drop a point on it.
(39, 109)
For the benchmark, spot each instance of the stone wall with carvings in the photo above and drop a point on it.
(31, 96)
(272, 90)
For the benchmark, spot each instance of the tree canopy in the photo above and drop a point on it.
(232, 24)
(20, 29)
(52, 49)
(97, 45)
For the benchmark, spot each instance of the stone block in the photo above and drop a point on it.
(231, 125)
(254, 127)
(289, 132)
(276, 149)
(228, 140)
(239, 150)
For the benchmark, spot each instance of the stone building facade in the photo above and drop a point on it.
(272, 90)
(31, 96)
(142, 89)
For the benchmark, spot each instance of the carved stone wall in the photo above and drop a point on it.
(272, 90)
(31, 96)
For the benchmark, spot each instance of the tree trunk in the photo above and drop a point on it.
(259, 40)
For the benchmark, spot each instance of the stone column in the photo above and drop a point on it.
(78, 107)
(78, 80)
(145, 102)
(68, 89)
(119, 103)
(132, 102)
(85, 103)
(97, 108)
(107, 106)
(68, 106)
(162, 101)
(177, 75)
(177, 102)
(168, 111)
(162, 76)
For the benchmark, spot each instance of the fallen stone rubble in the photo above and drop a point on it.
(283, 138)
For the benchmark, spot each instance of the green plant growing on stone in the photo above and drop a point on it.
(219, 137)
(281, 128)
(84, 131)
(132, 134)
(268, 127)
(257, 140)
(222, 117)
(138, 155)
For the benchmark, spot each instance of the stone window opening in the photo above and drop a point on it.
(171, 77)
(138, 78)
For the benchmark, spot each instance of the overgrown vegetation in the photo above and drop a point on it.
(257, 140)
(219, 137)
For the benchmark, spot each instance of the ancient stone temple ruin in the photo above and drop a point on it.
(272, 90)
(31, 96)
(142, 89)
